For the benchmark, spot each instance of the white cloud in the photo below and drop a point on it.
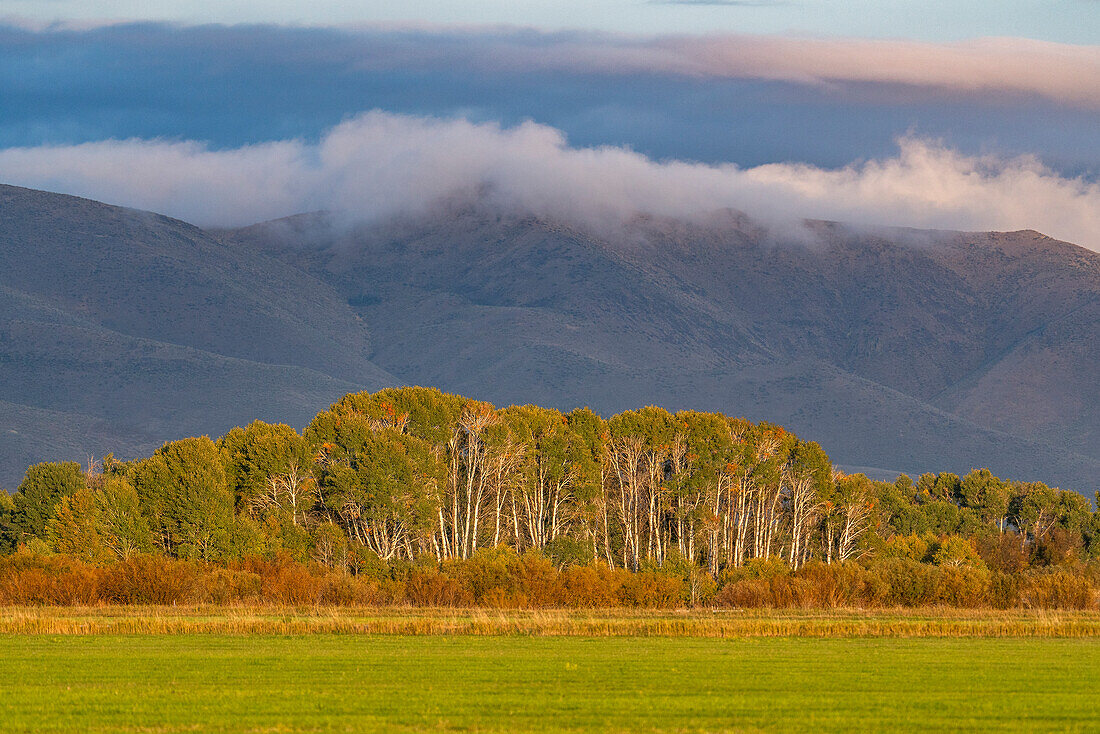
(378, 164)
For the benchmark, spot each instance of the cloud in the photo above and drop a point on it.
(1065, 73)
(1068, 74)
(378, 164)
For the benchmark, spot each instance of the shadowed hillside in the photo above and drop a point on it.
(898, 350)
(121, 329)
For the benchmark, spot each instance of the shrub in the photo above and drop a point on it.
(290, 583)
(430, 588)
(1059, 589)
(149, 580)
(595, 586)
(902, 582)
(33, 579)
(217, 585)
(649, 589)
(565, 551)
(962, 586)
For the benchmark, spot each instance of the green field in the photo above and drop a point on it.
(325, 682)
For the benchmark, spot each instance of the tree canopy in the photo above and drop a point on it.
(414, 475)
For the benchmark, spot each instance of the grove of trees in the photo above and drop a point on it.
(410, 481)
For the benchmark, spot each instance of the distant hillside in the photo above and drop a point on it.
(896, 350)
(120, 329)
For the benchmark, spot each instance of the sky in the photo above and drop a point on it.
(1066, 21)
(974, 115)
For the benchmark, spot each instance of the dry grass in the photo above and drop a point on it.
(266, 620)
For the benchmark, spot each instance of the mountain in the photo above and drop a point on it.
(897, 350)
(121, 329)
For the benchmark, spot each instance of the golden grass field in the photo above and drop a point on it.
(843, 623)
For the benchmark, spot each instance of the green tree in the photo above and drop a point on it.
(808, 477)
(8, 533)
(848, 509)
(39, 494)
(382, 486)
(545, 478)
(123, 528)
(585, 451)
(987, 495)
(186, 495)
(260, 460)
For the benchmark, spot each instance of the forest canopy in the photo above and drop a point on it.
(385, 486)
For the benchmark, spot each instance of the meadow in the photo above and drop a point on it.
(225, 670)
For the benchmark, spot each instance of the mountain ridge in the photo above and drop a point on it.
(913, 311)
(899, 349)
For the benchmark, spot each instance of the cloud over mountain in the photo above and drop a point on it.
(379, 163)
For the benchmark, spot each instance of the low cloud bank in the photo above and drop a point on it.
(1061, 72)
(380, 164)
(1065, 73)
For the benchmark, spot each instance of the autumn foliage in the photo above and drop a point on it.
(415, 497)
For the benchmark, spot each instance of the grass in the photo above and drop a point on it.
(327, 682)
(585, 623)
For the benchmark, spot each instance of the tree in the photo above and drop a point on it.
(123, 528)
(415, 476)
(848, 516)
(956, 550)
(1034, 510)
(585, 451)
(705, 480)
(39, 494)
(381, 491)
(263, 455)
(987, 495)
(8, 533)
(75, 528)
(639, 444)
(808, 476)
(537, 476)
(450, 426)
(1092, 532)
(187, 498)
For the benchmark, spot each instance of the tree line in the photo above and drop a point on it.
(412, 477)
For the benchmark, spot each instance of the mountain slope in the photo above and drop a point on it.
(896, 349)
(122, 329)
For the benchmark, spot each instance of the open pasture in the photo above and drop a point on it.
(529, 683)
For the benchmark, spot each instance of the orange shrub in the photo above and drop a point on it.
(1058, 589)
(434, 589)
(649, 589)
(149, 580)
(589, 587)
